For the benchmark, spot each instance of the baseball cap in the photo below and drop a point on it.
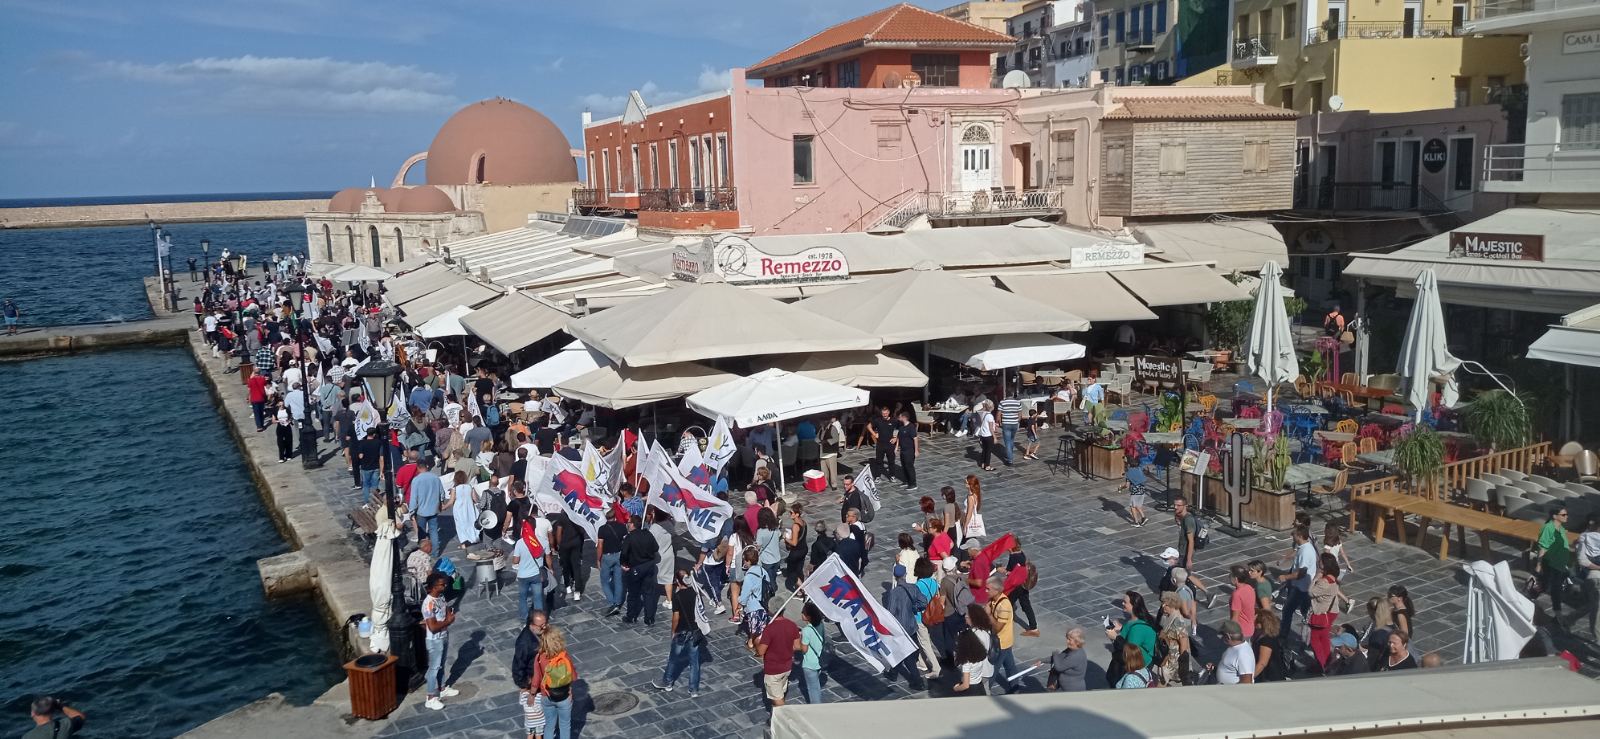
(1169, 553)
(1348, 641)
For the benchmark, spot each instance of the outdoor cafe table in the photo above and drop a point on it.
(1305, 474)
(1365, 394)
(1308, 409)
(1337, 437)
(1244, 423)
(1381, 458)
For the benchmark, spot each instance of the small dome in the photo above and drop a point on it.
(500, 142)
(424, 199)
(347, 200)
(390, 197)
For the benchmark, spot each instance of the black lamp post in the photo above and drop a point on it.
(238, 302)
(380, 376)
(205, 261)
(308, 432)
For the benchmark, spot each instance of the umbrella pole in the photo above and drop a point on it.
(465, 370)
(775, 433)
(927, 387)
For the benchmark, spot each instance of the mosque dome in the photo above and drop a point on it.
(499, 142)
(389, 196)
(424, 199)
(347, 200)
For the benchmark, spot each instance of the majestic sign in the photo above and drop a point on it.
(1580, 42)
(1158, 369)
(1435, 155)
(1107, 254)
(1507, 247)
(738, 261)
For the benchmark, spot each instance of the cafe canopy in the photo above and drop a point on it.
(856, 369)
(707, 320)
(616, 387)
(1575, 340)
(419, 282)
(514, 321)
(1096, 296)
(1000, 351)
(771, 396)
(358, 273)
(927, 303)
(573, 360)
(445, 324)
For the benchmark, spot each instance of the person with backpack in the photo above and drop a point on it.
(957, 600)
(555, 674)
(905, 601)
(1021, 578)
(523, 663)
(813, 648)
(1137, 675)
(932, 615)
(687, 638)
(1192, 535)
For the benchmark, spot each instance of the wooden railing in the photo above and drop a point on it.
(1390, 484)
(1521, 459)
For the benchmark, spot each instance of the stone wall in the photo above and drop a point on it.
(115, 215)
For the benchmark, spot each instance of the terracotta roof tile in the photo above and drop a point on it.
(896, 24)
(1196, 109)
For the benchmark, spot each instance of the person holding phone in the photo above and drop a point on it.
(436, 619)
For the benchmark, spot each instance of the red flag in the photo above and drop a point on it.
(531, 539)
(1014, 578)
(983, 563)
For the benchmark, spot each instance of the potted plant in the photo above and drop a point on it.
(1419, 455)
(1498, 419)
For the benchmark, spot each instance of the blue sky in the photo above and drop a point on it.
(128, 97)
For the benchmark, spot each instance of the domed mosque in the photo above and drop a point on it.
(492, 164)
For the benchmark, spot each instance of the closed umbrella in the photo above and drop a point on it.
(1499, 616)
(1269, 348)
(1424, 354)
(380, 584)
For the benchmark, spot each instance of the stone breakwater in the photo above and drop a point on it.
(74, 216)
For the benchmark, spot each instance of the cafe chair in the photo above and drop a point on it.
(1347, 426)
(923, 417)
(1545, 481)
(1367, 444)
(1494, 479)
(1521, 508)
(1588, 466)
(1348, 378)
(1479, 493)
(1570, 449)
(1511, 474)
(1340, 482)
(1347, 455)
(1303, 387)
(1061, 411)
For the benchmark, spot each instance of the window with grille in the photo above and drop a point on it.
(1580, 121)
(1174, 158)
(1257, 155)
(848, 74)
(1066, 143)
(937, 70)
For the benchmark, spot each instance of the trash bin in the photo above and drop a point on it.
(246, 369)
(372, 688)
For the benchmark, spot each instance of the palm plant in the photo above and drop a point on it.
(1500, 419)
(1420, 455)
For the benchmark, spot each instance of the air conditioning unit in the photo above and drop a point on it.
(1522, 50)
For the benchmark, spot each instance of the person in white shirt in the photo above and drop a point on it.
(1238, 664)
(1299, 577)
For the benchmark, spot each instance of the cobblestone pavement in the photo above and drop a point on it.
(1073, 529)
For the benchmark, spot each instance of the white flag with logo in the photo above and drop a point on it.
(719, 446)
(691, 458)
(869, 488)
(871, 629)
(692, 504)
(564, 478)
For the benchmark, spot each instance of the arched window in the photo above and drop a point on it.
(350, 236)
(479, 168)
(976, 133)
(377, 252)
(399, 246)
(327, 241)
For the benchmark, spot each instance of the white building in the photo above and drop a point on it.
(1054, 44)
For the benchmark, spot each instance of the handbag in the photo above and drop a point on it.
(975, 526)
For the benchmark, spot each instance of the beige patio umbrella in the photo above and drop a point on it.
(707, 320)
(616, 387)
(926, 303)
(856, 369)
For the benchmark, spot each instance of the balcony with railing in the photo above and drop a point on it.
(990, 203)
(1501, 16)
(1538, 168)
(1366, 197)
(587, 197)
(688, 199)
(1259, 50)
(1140, 40)
(1385, 30)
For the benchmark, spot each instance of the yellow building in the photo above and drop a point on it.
(991, 14)
(1378, 55)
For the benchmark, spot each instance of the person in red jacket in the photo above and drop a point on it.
(258, 399)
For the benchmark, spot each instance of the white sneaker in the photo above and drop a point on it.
(435, 704)
(962, 432)
(576, 596)
(721, 609)
(569, 591)
(449, 692)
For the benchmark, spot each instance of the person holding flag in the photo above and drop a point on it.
(687, 637)
(875, 632)
(530, 558)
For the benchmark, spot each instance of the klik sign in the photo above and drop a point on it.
(1506, 247)
(1435, 155)
(738, 261)
(1158, 369)
(1107, 254)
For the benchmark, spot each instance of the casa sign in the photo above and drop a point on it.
(1580, 42)
(738, 261)
(1505, 247)
(1107, 254)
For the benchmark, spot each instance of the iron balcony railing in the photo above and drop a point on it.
(1549, 164)
(1366, 196)
(1386, 29)
(587, 197)
(988, 202)
(677, 199)
(1254, 47)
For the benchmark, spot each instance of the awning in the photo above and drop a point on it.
(416, 284)
(359, 273)
(856, 369)
(445, 324)
(462, 292)
(1187, 285)
(773, 395)
(514, 321)
(709, 320)
(1576, 340)
(1007, 350)
(573, 360)
(1093, 295)
(1565, 280)
(1241, 246)
(926, 303)
(624, 387)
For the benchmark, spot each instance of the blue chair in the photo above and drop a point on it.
(1191, 441)
(1120, 414)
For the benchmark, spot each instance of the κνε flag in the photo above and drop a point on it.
(719, 446)
(871, 629)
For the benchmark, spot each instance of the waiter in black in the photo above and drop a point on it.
(882, 429)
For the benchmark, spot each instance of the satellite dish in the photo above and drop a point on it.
(891, 80)
(1315, 240)
(1335, 102)
(1016, 79)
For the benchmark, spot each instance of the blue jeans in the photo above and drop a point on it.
(685, 651)
(369, 487)
(1008, 436)
(531, 588)
(557, 717)
(436, 649)
(813, 680)
(1006, 668)
(260, 410)
(429, 525)
(611, 578)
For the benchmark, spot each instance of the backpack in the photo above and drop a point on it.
(866, 513)
(558, 671)
(1032, 580)
(933, 615)
(1202, 532)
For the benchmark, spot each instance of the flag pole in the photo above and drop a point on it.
(803, 584)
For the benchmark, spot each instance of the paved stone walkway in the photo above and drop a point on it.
(1087, 554)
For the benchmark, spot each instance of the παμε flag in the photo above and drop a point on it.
(692, 504)
(871, 629)
(586, 509)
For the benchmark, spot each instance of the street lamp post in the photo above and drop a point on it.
(238, 313)
(380, 377)
(308, 433)
(205, 261)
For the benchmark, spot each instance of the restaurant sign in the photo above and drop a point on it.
(740, 262)
(1507, 247)
(1580, 42)
(1107, 254)
(1158, 369)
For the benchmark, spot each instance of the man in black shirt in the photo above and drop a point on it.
(368, 455)
(905, 440)
(545, 439)
(519, 508)
(849, 548)
(640, 556)
(524, 658)
(483, 385)
(519, 468)
(608, 551)
(686, 637)
(882, 429)
(569, 548)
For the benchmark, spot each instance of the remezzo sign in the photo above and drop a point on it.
(740, 262)
(1107, 254)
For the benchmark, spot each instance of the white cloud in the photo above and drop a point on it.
(319, 84)
(710, 80)
(14, 135)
